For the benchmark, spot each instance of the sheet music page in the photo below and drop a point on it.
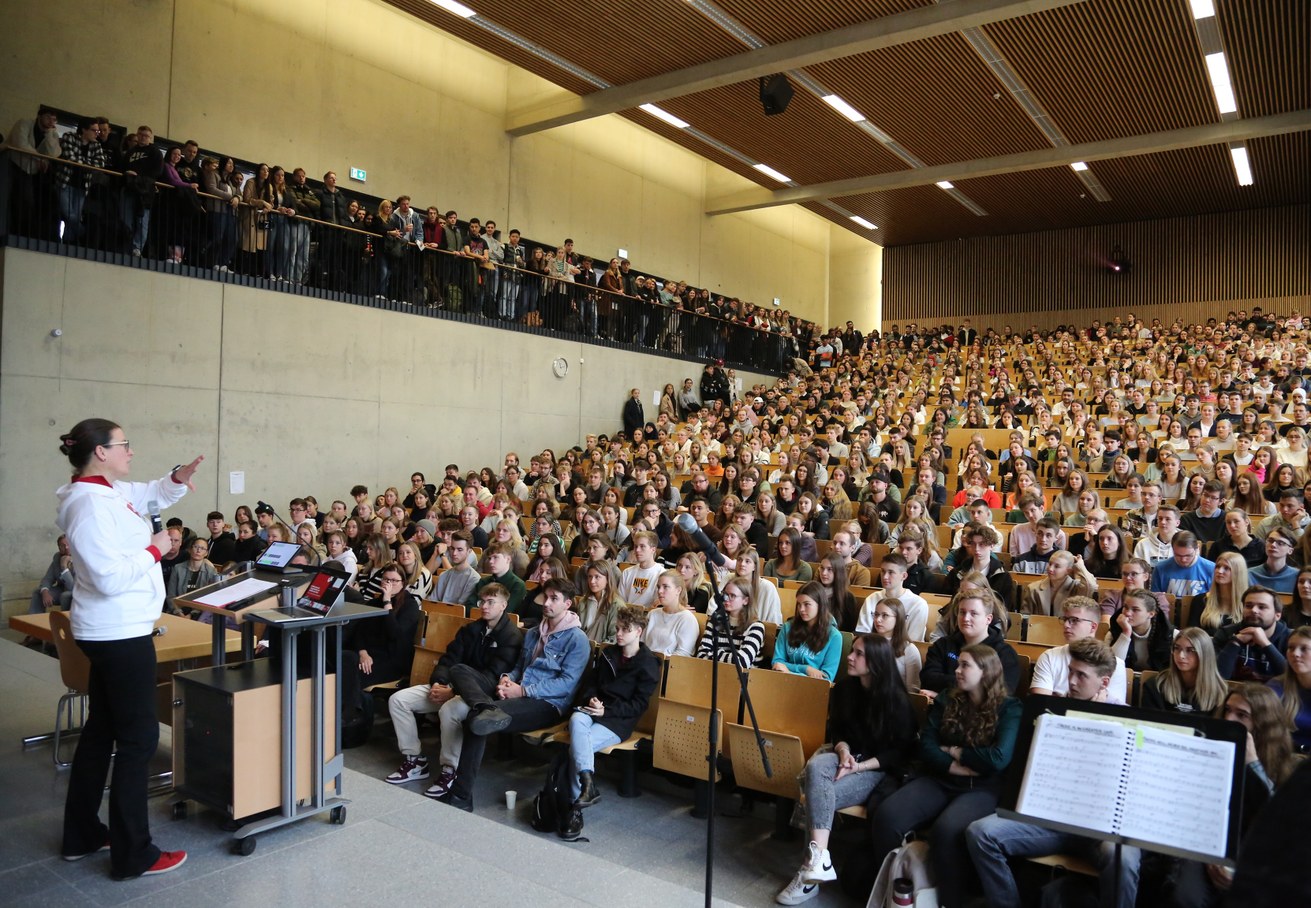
(1178, 791)
(235, 593)
(1073, 774)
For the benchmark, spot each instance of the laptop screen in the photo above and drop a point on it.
(324, 591)
(278, 555)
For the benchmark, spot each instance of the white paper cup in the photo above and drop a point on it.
(511, 798)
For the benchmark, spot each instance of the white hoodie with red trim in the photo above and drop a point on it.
(119, 588)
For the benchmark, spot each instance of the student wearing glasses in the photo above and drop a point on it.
(379, 649)
(1080, 616)
(1275, 573)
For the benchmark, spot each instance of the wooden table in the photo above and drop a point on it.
(185, 639)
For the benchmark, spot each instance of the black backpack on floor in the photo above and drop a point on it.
(551, 805)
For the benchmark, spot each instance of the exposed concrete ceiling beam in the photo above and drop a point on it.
(1041, 159)
(888, 31)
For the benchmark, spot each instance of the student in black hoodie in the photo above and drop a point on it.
(973, 625)
(614, 695)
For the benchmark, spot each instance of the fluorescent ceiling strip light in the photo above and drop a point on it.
(1202, 9)
(1242, 166)
(843, 108)
(771, 173)
(944, 184)
(1218, 70)
(451, 6)
(664, 115)
(1078, 166)
(864, 223)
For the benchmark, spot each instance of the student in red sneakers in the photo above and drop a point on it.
(117, 598)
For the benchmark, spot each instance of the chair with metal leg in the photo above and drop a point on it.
(75, 671)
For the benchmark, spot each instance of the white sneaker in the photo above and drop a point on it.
(797, 891)
(819, 866)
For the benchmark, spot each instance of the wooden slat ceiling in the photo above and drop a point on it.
(1102, 69)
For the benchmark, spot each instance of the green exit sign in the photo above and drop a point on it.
(358, 174)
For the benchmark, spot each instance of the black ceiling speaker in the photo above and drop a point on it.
(775, 93)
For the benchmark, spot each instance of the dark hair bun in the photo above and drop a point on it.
(66, 444)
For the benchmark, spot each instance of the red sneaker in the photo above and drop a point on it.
(168, 860)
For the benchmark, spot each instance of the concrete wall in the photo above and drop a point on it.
(855, 280)
(303, 396)
(330, 84)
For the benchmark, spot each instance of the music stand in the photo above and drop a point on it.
(1183, 804)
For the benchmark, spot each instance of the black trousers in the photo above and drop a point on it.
(121, 712)
(525, 713)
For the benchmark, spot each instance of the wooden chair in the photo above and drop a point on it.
(1045, 630)
(682, 735)
(786, 757)
(795, 704)
(931, 622)
(1026, 675)
(923, 647)
(687, 680)
(787, 601)
(433, 607)
(75, 672)
(880, 550)
(441, 630)
(771, 637)
(1015, 627)
(921, 705)
(1029, 650)
(1140, 685)
(1067, 862)
(848, 638)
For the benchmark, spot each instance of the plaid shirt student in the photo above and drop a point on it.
(72, 148)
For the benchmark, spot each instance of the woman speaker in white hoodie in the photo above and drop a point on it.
(117, 597)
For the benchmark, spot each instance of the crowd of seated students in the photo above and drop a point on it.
(848, 471)
(123, 192)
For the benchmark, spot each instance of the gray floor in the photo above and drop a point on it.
(396, 847)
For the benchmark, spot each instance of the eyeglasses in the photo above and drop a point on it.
(1275, 540)
(118, 444)
(1071, 621)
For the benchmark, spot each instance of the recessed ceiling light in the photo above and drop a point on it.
(864, 223)
(1218, 70)
(664, 115)
(1202, 9)
(1079, 166)
(451, 6)
(843, 108)
(944, 184)
(1242, 166)
(771, 173)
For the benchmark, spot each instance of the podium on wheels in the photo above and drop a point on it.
(243, 743)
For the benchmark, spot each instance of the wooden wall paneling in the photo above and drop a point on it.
(1190, 266)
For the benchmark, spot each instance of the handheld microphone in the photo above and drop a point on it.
(159, 631)
(155, 525)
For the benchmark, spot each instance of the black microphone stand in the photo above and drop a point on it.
(719, 625)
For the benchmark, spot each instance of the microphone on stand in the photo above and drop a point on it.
(159, 632)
